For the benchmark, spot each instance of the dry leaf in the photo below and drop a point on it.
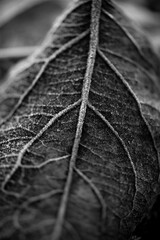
(79, 134)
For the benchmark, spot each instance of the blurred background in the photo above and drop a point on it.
(25, 23)
(23, 26)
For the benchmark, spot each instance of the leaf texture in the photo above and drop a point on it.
(79, 133)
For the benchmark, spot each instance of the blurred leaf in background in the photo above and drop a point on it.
(23, 25)
(25, 22)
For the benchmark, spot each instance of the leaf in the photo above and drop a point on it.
(80, 131)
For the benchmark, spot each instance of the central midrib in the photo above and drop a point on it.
(94, 36)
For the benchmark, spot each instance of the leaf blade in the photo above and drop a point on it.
(101, 155)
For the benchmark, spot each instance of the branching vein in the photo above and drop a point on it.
(29, 89)
(94, 35)
(30, 143)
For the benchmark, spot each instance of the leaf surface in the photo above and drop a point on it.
(79, 131)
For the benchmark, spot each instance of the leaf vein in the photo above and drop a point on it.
(95, 16)
(117, 136)
(29, 89)
(29, 144)
(96, 192)
(128, 35)
(111, 65)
